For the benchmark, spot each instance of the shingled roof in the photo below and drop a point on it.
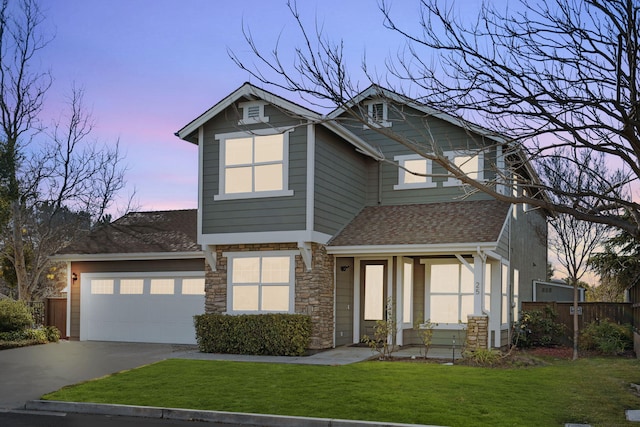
(425, 224)
(142, 232)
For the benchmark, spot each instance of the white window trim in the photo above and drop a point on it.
(263, 254)
(451, 155)
(401, 185)
(385, 114)
(246, 120)
(427, 295)
(222, 137)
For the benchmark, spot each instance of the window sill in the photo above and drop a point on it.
(383, 124)
(414, 186)
(263, 194)
(253, 121)
(458, 183)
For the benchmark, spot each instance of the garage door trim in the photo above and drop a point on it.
(178, 303)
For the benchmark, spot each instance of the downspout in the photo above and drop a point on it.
(509, 285)
(379, 182)
(69, 286)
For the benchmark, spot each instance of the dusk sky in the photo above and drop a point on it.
(149, 67)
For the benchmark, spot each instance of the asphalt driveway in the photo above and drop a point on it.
(29, 372)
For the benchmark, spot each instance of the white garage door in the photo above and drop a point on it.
(141, 307)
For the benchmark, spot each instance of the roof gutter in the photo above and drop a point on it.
(440, 249)
(139, 256)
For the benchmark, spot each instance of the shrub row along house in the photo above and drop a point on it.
(319, 215)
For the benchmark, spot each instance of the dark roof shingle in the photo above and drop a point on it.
(142, 232)
(425, 224)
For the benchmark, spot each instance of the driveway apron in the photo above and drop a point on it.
(29, 372)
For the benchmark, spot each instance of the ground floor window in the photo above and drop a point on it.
(261, 282)
(449, 291)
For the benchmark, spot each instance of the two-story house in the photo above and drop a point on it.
(328, 216)
(303, 213)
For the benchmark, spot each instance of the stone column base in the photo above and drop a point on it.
(477, 332)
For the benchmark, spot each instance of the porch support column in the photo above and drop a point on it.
(398, 262)
(479, 261)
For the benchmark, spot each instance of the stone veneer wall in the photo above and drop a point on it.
(477, 332)
(313, 289)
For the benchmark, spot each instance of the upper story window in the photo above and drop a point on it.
(377, 114)
(421, 168)
(254, 164)
(253, 112)
(471, 164)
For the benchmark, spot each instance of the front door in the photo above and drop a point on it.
(373, 295)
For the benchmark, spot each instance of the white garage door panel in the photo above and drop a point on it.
(142, 317)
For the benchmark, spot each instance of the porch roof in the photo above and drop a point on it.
(425, 224)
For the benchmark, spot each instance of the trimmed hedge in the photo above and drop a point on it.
(258, 334)
(28, 336)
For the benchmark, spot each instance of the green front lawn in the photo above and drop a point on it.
(594, 391)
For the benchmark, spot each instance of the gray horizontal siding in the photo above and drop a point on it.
(421, 130)
(258, 214)
(340, 182)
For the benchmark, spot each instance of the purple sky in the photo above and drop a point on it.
(149, 67)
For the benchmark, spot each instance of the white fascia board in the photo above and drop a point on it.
(246, 89)
(356, 141)
(444, 248)
(265, 237)
(507, 223)
(138, 256)
(200, 183)
(554, 284)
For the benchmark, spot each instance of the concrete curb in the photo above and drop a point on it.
(261, 420)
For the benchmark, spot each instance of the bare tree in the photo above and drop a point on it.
(539, 76)
(571, 239)
(53, 184)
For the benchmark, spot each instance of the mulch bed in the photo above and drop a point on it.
(522, 358)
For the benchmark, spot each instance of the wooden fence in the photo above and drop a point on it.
(588, 312)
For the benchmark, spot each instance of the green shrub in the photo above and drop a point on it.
(424, 330)
(607, 337)
(14, 315)
(538, 329)
(382, 330)
(260, 334)
(52, 333)
(23, 338)
(482, 356)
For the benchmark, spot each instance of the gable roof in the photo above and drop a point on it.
(375, 91)
(247, 90)
(158, 232)
(446, 223)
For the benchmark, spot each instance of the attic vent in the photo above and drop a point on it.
(252, 112)
(377, 114)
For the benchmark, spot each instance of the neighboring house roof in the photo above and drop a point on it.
(425, 224)
(158, 232)
(247, 90)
